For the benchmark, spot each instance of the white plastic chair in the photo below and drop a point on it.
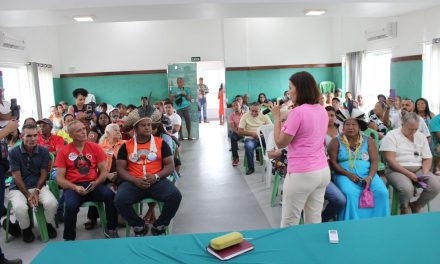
(266, 130)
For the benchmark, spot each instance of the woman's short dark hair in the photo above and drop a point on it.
(66, 115)
(330, 109)
(80, 91)
(307, 91)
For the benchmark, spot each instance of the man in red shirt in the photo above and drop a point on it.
(78, 165)
(144, 163)
(46, 139)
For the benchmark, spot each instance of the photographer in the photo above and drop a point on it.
(5, 109)
(182, 100)
(80, 107)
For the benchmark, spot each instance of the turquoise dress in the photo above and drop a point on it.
(352, 191)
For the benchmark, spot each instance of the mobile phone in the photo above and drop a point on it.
(89, 186)
(393, 94)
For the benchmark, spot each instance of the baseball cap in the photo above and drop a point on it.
(46, 121)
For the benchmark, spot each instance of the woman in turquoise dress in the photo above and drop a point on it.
(354, 160)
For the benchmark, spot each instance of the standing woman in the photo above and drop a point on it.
(304, 133)
(79, 107)
(221, 108)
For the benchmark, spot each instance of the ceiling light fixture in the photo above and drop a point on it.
(83, 19)
(315, 12)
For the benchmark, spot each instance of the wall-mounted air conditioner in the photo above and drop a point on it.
(382, 32)
(10, 42)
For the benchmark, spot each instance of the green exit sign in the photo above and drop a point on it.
(195, 59)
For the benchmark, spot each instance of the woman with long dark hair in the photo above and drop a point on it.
(422, 109)
(304, 133)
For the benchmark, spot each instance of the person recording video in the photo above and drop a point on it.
(5, 109)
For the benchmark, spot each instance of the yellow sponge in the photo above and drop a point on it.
(227, 240)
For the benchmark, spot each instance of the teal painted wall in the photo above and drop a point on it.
(126, 89)
(273, 82)
(406, 77)
(1, 79)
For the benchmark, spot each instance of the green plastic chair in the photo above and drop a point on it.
(138, 209)
(101, 212)
(327, 87)
(368, 132)
(395, 202)
(276, 186)
(41, 221)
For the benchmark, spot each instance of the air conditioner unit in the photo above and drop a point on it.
(382, 32)
(10, 42)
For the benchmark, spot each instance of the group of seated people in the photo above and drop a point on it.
(400, 135)
(116, 157)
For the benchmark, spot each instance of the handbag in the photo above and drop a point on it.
(367, 199)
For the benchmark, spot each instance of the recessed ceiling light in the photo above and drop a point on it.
(315, 12)
(83, 19)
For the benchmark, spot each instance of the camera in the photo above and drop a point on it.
(15, 109)
(90, 109)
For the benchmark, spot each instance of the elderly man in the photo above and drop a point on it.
(409, 158)
(78, 165)
(407, 107)
(143, 164)
(46, 139)
(249, 123)
(29, 164)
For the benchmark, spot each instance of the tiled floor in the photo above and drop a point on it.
(216, 196)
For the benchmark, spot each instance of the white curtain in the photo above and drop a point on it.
(353, 71)
(41, 82)
(431, 76)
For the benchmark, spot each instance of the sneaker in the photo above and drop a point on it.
(111, 233)
(51, 231)
(28, 236)
(235, 162)
(14, 228)
(140, 231)
(250, 171)
(12, 261)
(158, 231)
(206, 121)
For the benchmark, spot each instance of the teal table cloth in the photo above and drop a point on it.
(396, 239)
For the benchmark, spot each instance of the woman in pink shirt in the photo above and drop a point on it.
(304, 134)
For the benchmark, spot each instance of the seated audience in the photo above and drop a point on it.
(348, 99)
(79, 107)
(176, 120)
(234, 121)
(244, 107)
(422, 109)
(29, 164)
(143, 164)
(103, 119)
(14, 139)
(122, 111)
(81, 170)
(67, 119)
(30, 121)
(56, 118)
(407, 107)
(434, 127)
(110, 142)
(46, 139)
(264, 103)
(334, 196)
(379, 120)
(354, 160)
(329, 98)
(322, 100)
(409, 159)
(248, 125)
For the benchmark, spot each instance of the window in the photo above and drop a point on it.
(16, 84)
(375, 77)
(431, 78)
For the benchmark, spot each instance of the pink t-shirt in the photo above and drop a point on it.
(308, 126)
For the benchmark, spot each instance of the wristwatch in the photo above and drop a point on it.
(157, 177)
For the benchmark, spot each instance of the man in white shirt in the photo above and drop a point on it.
(407, 107)
(176, 120)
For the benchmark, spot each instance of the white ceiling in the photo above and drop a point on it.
(20, 13)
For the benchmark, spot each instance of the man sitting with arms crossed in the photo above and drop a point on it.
(29, 163)
(143, 164)
(78, 165)
(249, 123)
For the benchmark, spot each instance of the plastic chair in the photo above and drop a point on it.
(266, 130)
(327, 87)
(101, 212)
(395, 202)
(276, 186)
(138, 209)
(41, 221)
(368, 132)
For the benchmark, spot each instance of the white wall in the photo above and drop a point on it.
(138, 45)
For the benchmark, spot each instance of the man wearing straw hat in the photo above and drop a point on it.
(143, 164)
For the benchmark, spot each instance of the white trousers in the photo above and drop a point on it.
(21, 206)
(304, 191)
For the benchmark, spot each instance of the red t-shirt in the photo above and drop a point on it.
(53, 143)
(80, 167)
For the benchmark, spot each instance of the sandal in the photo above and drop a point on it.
(90, 224)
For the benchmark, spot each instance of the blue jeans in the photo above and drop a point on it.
(250, 145)
(73, 202)
(234, 144)
(162, 191)
(336, 202)
(202, 107)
